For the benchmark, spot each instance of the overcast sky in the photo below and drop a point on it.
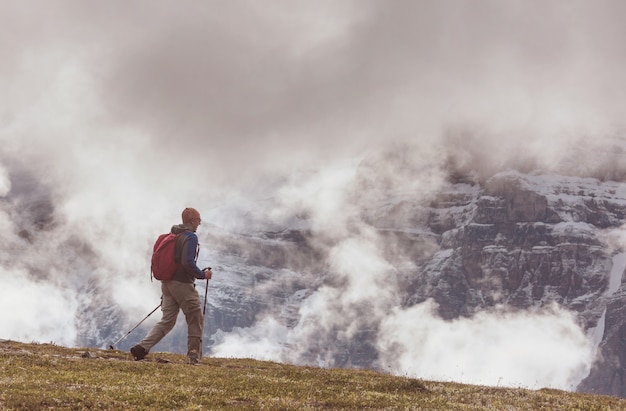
(123, 113)
(239, 85)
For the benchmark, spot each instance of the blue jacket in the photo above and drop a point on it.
(186, 254)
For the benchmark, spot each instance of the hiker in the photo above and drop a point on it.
(180, 293)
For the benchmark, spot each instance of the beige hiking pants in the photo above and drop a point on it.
(178, 296)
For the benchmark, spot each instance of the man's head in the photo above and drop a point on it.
(191, 217)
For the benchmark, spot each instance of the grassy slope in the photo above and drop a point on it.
(45, 376)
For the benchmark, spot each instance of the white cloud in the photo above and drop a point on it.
(266, 341)
(5, 182)
(35, 311)
(533, 349)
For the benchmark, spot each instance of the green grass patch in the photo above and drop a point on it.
(46, 376)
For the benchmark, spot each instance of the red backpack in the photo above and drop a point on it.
(164, 263)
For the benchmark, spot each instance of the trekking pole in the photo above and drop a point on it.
(206, 292)
(111, 347)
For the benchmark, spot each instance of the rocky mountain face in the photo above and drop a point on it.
(516, 240)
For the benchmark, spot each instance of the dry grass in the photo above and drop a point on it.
(46, 376)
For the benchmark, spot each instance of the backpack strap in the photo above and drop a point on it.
(181, 243)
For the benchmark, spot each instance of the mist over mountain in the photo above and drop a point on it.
(430, 189)
(508, 279)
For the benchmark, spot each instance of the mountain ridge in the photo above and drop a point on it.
(521, 240)
(302, 290)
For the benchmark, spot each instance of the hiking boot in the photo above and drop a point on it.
(192, 357)
(138, 352)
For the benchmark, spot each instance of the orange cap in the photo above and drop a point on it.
(190, 214)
